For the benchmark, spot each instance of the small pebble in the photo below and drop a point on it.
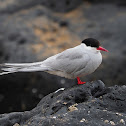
(88, 112)
(29, 122)
(100, 97)
(73, 107)
(54, 117)
(16, 124)
(83, 120)
(119, 114)
(106, 121)
(112, 123)
(122, 121)
(65, 103)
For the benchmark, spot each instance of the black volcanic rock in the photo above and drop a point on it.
(91, 104)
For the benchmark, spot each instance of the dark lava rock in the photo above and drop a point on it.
(91, 104)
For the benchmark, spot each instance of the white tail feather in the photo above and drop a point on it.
(19, 64)
(3, 73)
(27, 67)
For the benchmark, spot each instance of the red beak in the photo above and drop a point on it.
(101, 48)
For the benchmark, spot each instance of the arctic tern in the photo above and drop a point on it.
(72, 63)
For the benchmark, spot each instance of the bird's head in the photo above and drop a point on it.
(91, 42)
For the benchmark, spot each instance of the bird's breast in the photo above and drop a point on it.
(95, 61)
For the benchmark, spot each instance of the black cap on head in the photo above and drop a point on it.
(91, 42)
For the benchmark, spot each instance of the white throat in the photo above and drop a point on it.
(90, 49)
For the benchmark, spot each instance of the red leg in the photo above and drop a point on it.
(79, 81)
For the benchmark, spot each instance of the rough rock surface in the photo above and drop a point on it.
(31, 30)
(91, 104)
